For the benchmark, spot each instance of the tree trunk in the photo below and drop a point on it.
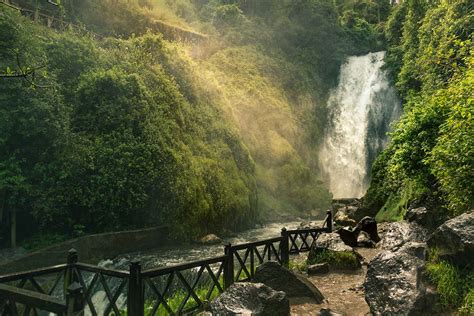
(13, 229)
(2, 203)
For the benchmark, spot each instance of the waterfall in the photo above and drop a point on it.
(361, 109)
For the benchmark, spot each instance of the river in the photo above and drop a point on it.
(167, 256)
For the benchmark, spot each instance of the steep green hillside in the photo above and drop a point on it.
(104, 139)
(122, 128)
(431, 155)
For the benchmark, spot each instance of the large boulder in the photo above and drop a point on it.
(244, 298)
(415, 248)
(397, 234)
(455, 239)
(331, 248)
(419, 215)
(394, 285)
(331, 241)
(279, 278)
(353, 209)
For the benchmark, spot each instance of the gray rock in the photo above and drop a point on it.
(394, 285)
(210, 239)
(399, 233)
(319, 268)
(331, 241)
(342, 219)
(244, 298)
(353, 208)
(363, 240)
(349, 210)
(455, 239)
(329, 312)
(418, 215)
(281, 279)
(417, 249)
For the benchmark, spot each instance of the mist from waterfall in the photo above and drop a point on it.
(361, 109)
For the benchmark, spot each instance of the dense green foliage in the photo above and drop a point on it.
(430, 159)
(110, 142)
(121, 128)
(430, 156)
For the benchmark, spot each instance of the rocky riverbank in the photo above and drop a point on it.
(386, 271)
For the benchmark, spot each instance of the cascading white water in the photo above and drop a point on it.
(361, 109)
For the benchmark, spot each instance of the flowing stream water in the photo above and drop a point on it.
(361, 109)
(178, 254)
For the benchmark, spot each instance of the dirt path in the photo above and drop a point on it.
(344, 291)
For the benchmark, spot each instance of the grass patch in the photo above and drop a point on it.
(467, 307)
(298, 265)
(175, 301)
(454, 285)
(336, 259)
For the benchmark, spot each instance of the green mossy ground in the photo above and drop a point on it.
(336, 259)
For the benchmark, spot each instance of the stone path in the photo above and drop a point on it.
(344, 291)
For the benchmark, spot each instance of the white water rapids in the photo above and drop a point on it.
(361, 109)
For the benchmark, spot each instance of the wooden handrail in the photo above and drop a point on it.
(104, 271)
(33, 299)
(256, 243)
(136, 279)
(307, 230)
(32, 273)
(180, 267)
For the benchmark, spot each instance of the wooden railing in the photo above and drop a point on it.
(175, 290)
(56, 21)
(51, 21)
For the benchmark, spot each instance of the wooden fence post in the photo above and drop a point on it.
(228, 266)
(329, 222)
(75, 300)
(136, 298)
(69, 277)
(285, 248)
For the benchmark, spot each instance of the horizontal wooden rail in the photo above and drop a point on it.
(32, 273)
(256, 243)
(180, 267)
(33, 299)
(103, 271)
(238, 263)
(307, 230)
